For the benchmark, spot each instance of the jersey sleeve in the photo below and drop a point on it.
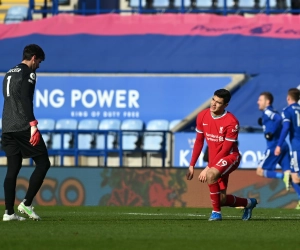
(232, 131)
(286, 116)
(27, 90)
(199, 122)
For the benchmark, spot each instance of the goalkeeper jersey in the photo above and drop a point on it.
(18, 90)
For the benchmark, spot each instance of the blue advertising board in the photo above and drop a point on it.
(251, 145)
(122, 96)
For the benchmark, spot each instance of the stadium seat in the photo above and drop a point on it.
(46, 124)
(204, 4)
(87, 141)
(173, 123)
(108, 124)
(187, 3)
(136, 3)
(16, 14)
(272, 4)
(154, 140)
(131, 140)
(246, 4)
(161, 3)
(68, 138)
(229, 4)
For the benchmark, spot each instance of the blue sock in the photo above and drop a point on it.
(273, 174)
(296, 187)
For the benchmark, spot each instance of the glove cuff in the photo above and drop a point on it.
(33, 123)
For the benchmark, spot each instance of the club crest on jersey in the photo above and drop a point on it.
(221, 130)
(32, 76)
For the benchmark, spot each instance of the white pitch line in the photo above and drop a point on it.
(290, 216)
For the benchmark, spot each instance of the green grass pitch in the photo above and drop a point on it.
(152, 228)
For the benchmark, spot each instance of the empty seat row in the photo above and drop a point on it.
(212, 3)
(134, 133)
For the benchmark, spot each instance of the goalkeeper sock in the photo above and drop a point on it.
(215, 196)
(273, 174)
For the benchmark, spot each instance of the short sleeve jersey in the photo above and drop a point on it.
(216, 130)
(292, 114)
(18, 89)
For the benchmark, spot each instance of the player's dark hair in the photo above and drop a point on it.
(294, 93)
(33, 50)
(223, 93)
(268, 96)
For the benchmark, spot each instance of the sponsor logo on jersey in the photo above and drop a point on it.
(29, 80)
(32, 76)
(15, 70)
(214, 138)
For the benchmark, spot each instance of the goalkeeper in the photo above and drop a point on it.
(271, 122)
(20, 135)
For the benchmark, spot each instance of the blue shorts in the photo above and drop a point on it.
(270, 160)
(295, 161)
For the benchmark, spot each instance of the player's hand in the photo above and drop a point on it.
(190, 173)
(277, 151)
(202, 175)
(35, 136)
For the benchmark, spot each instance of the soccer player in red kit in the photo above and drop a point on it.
(220, 128)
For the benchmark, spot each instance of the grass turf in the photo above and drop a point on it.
(152, 228)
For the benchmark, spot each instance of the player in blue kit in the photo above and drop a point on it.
(291, 125)
(271, 122)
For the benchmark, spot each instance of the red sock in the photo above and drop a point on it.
(214, 190)
(233, 201)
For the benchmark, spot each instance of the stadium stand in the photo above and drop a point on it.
(48, 126)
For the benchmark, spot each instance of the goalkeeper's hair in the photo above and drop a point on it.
(268, 96)
(294, 93)
(33, 50)
(223, 93)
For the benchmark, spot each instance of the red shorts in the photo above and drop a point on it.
(227, 165)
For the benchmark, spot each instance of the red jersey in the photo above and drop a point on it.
(216, 130)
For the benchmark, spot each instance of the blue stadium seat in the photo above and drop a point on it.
(135, 3)
(173, 123)
(108, 124)
(263, 4)
(229, 4)
(187, 3)
(161, 3)
(68, 142)
(16, 14)
(87, 141)
(130, 139)
(154, 140)
(0, 123)
(46, 124)
(246, 4)
(204, 3)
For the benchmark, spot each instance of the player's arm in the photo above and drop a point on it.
(284, 132)
(198, 145)
(27, 89)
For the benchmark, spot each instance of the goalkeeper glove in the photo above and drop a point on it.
(35, 133)
(269, 136)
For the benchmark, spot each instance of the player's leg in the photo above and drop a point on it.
(295, 175)
(35, 182)
(230, 164)
(267, 166)
(14, 164)
(39, 154)
(284, 160)
(212, 176)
